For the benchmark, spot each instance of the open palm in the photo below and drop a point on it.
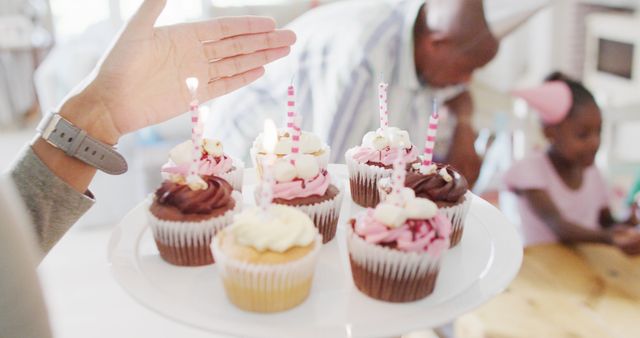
(141, 80)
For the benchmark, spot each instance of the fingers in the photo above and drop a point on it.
(147, 14)
(228, 84)
(246, 44)
(221, 28)
(239, 64)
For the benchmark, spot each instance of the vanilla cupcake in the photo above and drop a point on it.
(373, 160)
(310, 144)
(267, 259)
(302, 184)
(395, 249)
(213, 162)
(184, 217)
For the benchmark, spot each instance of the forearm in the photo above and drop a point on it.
(462, 154)
(571, 233)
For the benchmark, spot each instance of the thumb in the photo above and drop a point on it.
(147, 14)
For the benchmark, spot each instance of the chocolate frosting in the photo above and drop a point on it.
(435, 188)
(217, 195)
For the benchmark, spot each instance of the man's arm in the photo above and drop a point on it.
(462, 153)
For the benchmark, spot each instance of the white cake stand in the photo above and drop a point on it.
(480, 267)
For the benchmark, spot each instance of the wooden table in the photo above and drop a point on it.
(589, 290)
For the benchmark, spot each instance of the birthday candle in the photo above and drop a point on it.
(431, 135)
(269, 144)
(399, 174)
(194, 108)
(384, 113)
(291, 109)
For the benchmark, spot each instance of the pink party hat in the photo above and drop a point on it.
(552, 100)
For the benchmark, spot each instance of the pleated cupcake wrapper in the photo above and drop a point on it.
(187, 243)
(363, 180)
(391, 275)
(234, 177)
(456, 214)
(257, 159)
(266, 287)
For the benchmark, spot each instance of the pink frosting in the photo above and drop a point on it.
(303, 188)
(431, 236)
(385, 156)
(209, 165)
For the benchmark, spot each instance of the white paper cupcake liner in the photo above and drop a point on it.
(191, 234)
(267, 286)
(364, 179)
(257, 159)
(457, 214)
(234, 177)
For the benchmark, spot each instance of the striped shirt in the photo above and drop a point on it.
(343, 51)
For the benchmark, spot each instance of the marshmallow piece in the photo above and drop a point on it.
(420, 208)
(398, 137)
(445, 175)
(428, 170)
(283, 146)
(310, 143)
(181, 153)
(307, 166)
(196, 182)
(284, 171)
(390, 215)
(375, 140)
(213, 147)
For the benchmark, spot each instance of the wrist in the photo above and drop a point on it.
(86, 111)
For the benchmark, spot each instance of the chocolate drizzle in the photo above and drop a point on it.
(217, 195)
(435, 187)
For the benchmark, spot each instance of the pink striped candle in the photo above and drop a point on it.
(270, 139)
(384, 111)
(194, 108)
(430, 141)
(291, 109)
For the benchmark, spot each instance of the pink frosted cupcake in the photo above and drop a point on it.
(373, 160)
(395, 249)
(214, 162)
(304, 185)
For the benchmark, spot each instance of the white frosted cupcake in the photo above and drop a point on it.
(310, 144)
(302, 184)
(267, 260)
(395, 249)
(373, 160)
(213, 162)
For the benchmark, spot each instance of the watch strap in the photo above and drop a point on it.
(75, 142)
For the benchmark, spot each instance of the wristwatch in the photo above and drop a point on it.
(75, 142)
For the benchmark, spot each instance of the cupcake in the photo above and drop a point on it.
(302, 184)
(267, 259)
(310, 144)
(395, 249)
(373, 160)
(213, 162)
(184, 218)
(443, 185)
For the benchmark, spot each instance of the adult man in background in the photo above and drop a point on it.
(422, 49)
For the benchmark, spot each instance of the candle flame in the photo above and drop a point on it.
(192, 84)
(270, 136)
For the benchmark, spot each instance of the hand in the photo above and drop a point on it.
(141, 81)
(461, 107)
(626, 239)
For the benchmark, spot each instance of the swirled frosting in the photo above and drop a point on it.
(381, 147)
(298, 176)
(443, 185)
(280, 229)
(213, 161)
(217, 195)
(413, 225)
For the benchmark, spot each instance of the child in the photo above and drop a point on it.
(561, 194)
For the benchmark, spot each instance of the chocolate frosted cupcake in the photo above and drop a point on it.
(373, 160)
(443, 185)
(213, 162)
(302, 184)
(184, 219)
(395, 249)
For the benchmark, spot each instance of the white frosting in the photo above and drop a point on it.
(425, 170)
(387, 137)
(395, 211)
(305, 167)
(213, 147)
(445, 175)
(196, 182)
(309, 143)
(283, 228)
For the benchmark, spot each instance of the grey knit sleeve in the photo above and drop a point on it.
(54, 206)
